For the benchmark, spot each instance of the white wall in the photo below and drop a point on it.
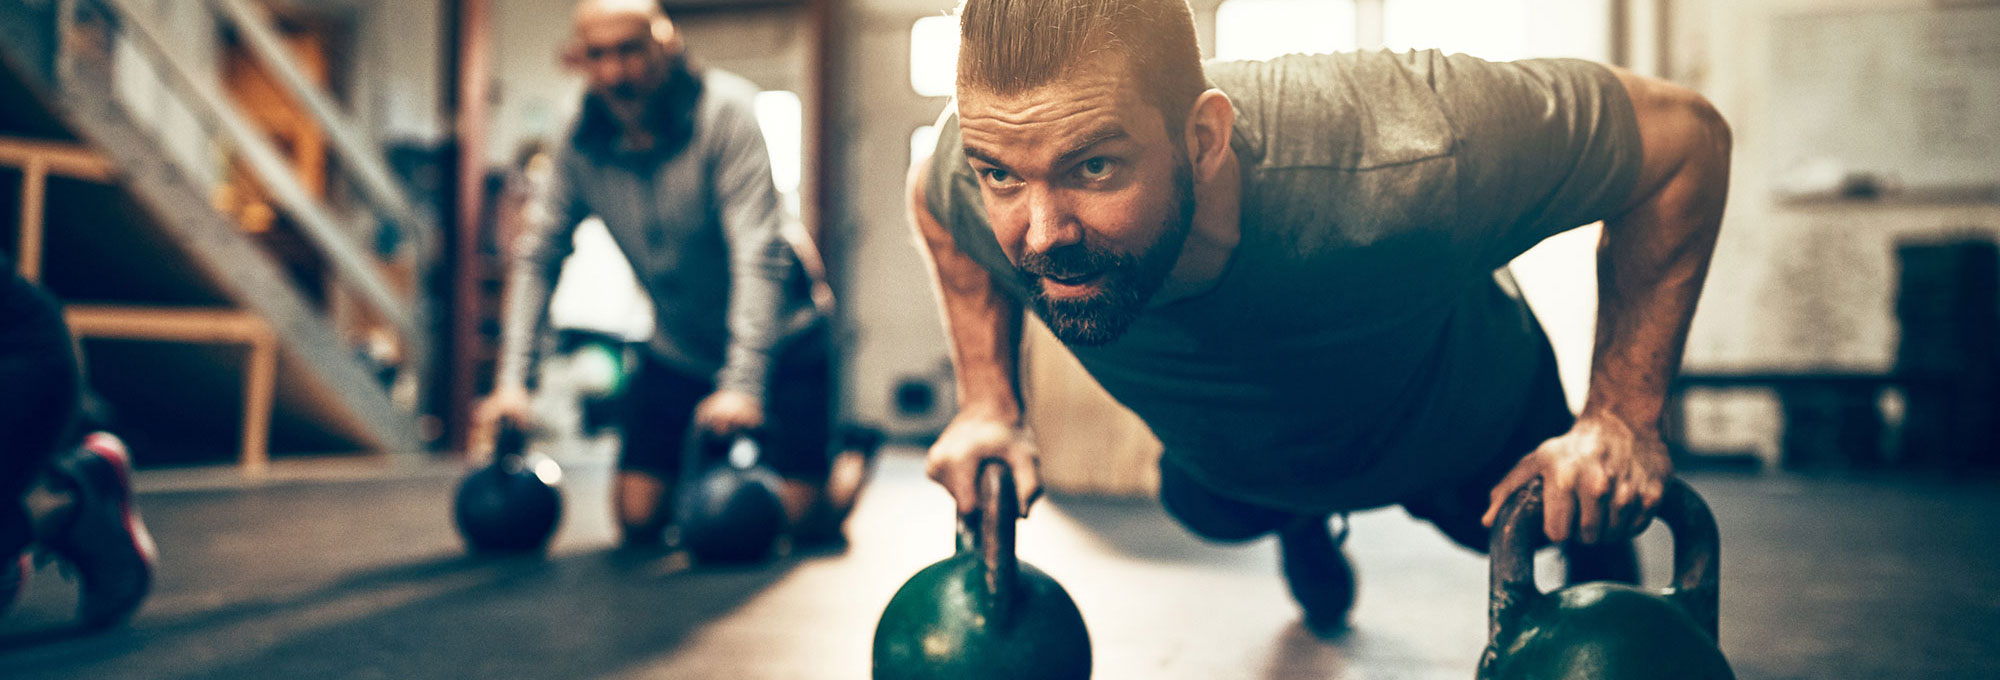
(886, 289)
(1792, 287)
(399, 87)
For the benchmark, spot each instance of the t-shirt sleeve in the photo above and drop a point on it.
(1545, 145)
(951, 192)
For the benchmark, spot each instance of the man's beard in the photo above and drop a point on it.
(1128, 282)
(657, 118)
(626, 93)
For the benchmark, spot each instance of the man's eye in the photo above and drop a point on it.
(998, 176)
(1095, 168)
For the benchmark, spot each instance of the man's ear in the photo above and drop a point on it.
(666, 35)
(1209, 124)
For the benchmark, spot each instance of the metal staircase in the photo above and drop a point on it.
(121, 141)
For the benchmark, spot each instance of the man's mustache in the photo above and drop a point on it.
(1068, 262)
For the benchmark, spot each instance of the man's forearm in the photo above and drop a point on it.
(524, 308)
(752, 214)
(1651, 264)
(982, 324)
(984, 327)
(757, 271)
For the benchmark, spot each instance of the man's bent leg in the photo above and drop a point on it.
(640, 499)
(39, 369)
(657, 412)
(1316, 571)
(38, 406)
(73, 499)
(798, 440)
(1211, 515)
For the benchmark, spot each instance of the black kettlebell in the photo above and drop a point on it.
(1601, 630)
(981, 614)
(513, 504)
(731, 513)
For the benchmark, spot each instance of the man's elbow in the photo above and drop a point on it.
(1711, 128)
(1695, 150)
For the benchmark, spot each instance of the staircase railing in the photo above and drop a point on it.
(358, 155)
(333, 236)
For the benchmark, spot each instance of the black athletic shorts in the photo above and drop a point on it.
(659, 401)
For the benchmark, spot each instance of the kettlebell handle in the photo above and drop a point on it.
(510, 440)
(695, 451)
(989, 535)
(1517, 533)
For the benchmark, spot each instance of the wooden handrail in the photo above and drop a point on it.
(182, 324)
(201, 325)
(66, 159)
(38, 159)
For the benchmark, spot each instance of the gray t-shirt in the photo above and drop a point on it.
(702, 230)
(1358, 350)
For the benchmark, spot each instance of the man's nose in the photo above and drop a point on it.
(1051, 222)
(607, 73)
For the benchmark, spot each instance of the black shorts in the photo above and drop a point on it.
(658, 409)
(1456, 511)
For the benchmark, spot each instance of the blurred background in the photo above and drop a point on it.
(368, 159)
(371, 161)
(278, 226)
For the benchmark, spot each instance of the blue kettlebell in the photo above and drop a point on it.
(730, 512)
(513, 504)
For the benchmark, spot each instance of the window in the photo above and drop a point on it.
(782, 118)
(934, 56)
(1500, 30)
(922, 142)
(1495, 30)
(1262, 29)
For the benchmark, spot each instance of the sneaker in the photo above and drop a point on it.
(103, 540)
(1318, 573)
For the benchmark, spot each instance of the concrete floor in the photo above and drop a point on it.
(364, 578)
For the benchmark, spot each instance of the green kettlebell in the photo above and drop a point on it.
(1601, 630)
(981, 614)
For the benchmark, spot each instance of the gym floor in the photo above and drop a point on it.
(361, 576)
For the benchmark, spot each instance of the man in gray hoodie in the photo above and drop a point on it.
(670, 157)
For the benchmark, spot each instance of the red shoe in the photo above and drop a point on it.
(104, 540)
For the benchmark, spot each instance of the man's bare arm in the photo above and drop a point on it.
(1653, 258)
(983, 328)
(1605, 476)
